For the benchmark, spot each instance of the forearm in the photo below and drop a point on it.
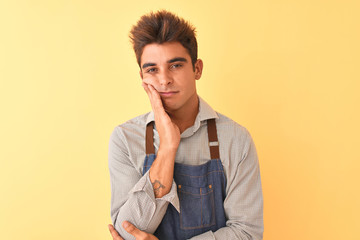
(162, 172)
(142, 209)
(234, 231)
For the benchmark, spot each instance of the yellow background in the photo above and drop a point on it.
(286, 70)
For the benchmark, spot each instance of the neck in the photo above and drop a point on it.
(185, 117)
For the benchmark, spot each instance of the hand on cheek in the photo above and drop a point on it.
(169, 132)
(147, 80)
(152, 93)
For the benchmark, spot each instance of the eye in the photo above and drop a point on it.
(151, 70)
(177, 65)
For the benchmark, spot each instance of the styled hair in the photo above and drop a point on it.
(160, 27)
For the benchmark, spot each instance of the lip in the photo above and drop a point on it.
(168, 94)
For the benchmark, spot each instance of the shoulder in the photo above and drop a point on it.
(131, 129)
(236, 137)
(134, 123)
(227, 125)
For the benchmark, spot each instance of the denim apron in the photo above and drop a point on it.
(201, 191)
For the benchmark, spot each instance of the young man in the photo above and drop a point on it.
(182, 171)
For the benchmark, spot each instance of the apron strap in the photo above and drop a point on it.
(150, 139)
(213, 139)
(212, 135)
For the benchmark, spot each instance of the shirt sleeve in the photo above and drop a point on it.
(132, 195)
(244, 201)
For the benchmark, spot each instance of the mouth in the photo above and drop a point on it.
(168, 94)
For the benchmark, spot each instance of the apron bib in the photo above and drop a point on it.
(201, 191)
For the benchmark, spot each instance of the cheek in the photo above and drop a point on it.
(149, 80)
(187, 81)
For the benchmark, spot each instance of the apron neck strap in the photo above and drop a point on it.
(212, 135)
(150, 138)
(213, 139)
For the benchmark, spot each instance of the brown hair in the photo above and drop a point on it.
(160, 27)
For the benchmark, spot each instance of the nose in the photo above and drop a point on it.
(165, 78)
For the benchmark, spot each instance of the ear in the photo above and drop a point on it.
(198, 69)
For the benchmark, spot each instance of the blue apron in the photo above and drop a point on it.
(201, 191)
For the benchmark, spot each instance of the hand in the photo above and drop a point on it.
(161, 172)
(169, 132)
(138, 234)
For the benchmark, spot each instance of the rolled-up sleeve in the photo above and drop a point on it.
(132, 195)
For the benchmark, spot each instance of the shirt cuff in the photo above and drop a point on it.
(144, 184)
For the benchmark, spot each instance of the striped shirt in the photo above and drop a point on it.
(132, 195)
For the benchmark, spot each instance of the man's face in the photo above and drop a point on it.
(168, 68)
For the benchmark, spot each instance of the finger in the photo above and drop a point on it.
(133, 230)
(115, 235)
(146, 88)
(156, 99)
(149, 93)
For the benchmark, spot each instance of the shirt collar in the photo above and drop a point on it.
(205, 113)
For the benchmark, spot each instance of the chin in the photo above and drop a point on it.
(170, 107)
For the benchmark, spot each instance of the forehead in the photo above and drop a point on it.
(160, 53)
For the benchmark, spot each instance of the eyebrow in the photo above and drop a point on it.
(145, 65)
(176, 59)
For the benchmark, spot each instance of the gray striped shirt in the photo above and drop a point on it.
(132, 195)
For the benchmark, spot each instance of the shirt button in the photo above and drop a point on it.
(210, 186)
(179, 186)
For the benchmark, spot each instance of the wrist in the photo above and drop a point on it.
(167, 151)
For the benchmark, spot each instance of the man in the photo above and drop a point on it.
(182, 171)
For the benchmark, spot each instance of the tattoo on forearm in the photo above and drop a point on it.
(157, 186)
